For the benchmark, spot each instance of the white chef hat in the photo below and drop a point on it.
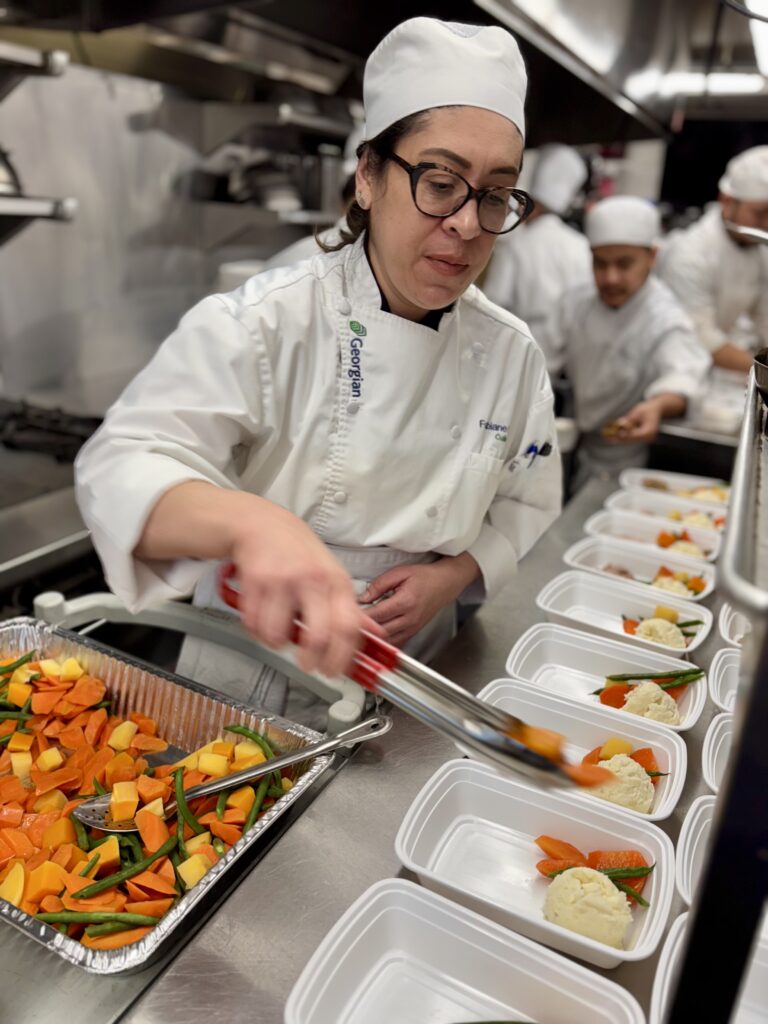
(425, 63)
(623, 220)
(746, 176)
(557, 177)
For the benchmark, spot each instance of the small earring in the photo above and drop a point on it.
(359, 200)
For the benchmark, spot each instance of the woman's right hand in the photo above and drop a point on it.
(285, 572)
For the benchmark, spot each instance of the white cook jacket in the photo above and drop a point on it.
(536, 264)
(376, 431)
(717, 281)
(614, 358)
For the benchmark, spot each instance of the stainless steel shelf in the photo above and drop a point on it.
(241, 223)
(225, 122)
(17, 211)
(18, 61)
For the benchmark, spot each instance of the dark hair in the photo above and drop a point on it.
(379, 151)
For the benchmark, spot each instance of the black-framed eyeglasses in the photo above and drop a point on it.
(440, 192)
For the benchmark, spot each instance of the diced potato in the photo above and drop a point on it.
(661, 611)
(54, 800)
(71, 670)
(20, 741)
(122, 737)
(51, 668)
(193, 869)
(194, 844)
(156, 807)
(247, 762)
(21, 765)
(223, 747)
(125, 800)
(615, 746)
(109, 856)
(60, 832)
(683, 577)
(19, 691)
(50, 759)
(213, 764)
(242, 798)
(12, 888)
(248, 749)
(286, 784)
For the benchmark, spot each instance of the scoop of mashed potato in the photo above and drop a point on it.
(632, 788)
(710, 493)
(662, 631)
(586, 901)
(672, 585)
(698, 519)
(648, 700)
(687, 547)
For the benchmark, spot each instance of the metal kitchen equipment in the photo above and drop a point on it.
(95, 813)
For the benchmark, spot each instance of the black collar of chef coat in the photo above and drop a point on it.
(433, 317)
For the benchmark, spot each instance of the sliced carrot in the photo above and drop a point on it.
(12, 790)
(665, 539)
(110, 900)
(44, 703)
(630, 626)
(18, 841)
(193, 778)
(646, 758)
(38, 858)
(96, 722)
(614, 696)
(604, 859)
(696, 584)
(152, 829)
(558, 849)
(154, 883)
(152, 744)
(163, 771)
(34, 825)
(117, 940)
(152, 908)
(151, 788)
(164, 868)
(229, 833)
(119, 768)
(63, 778)
(592, 757)
(80, 758)
(664, 571)
(96, 769)
(51, 904)
(147, 726)
(8, 726)
(542, 741)
(11, 815)
(550, 864)
(587, 774)
(208, 851)
(73, 737)
(87, 691)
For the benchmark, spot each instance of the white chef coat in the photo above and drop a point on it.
(615, 358)
(307, 247)
(534, 265)
(376, 431)
(718, 282)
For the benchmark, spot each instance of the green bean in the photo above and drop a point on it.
(131, 843)
(17, 716)
(100, 790)
(95, 917)
(121, 876)
(629, 891)
(182, 806)
(275, 792)
(176, 861)
(627, 872)
(683, 681)
(82, 836)
(6, 670)
(253, 814)
(221, 804)
(219, 847)
(89, 866)
(656, 775)
(108, 928)
(100, 705)
(5, 739)
(690, 622)
(181, 845)
(27, 706)
(259, 740)
(628, 676)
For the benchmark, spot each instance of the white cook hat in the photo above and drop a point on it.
(557, 177)
(746, 176)
(425, 63)
(623, 220)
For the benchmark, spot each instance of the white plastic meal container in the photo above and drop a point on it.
(642, 529)
(646, 502)
(717, 750)
(692, 846)
(586, 727)
(469, 835)
(753, 1001)
(733, 626)
(724, 678)
(404, 955)
(571, 664)
(593, 553)
(597, 604)
(630, 478)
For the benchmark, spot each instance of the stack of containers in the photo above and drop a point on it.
(472, 943)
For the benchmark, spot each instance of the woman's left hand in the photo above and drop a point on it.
(416, 593)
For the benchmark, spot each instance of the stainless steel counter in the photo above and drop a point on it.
(243, 963)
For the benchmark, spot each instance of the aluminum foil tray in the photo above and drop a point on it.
(188, 716)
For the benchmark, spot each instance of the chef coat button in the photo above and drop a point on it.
(352, 408)
(478, 348)
(344, 307)
(340, 497)
(455, 432)
(432, 511)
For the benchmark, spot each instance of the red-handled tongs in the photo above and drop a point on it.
(485, 731)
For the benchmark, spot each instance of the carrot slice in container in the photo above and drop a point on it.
(228, 833)
(153, 883)
(646, 758)
(152, 908)
(630, 626)
(550, 864)
(614, 696)
(152, 829)
(116, 941)
(587, 774)
(592, 757)
(153, 744)
(605, 859)
(87, 691)
(558, 849)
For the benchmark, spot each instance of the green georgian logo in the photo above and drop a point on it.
(357, 329)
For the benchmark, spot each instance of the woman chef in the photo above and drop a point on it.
(363, 423)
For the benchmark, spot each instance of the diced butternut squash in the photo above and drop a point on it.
(247, 762)
(109, 856)
(49, 760)
(614, 746)
(71, 669)
(18, 692)
(225, 748)
(50, 668)
(194, 844)
(152, 829)
(60, 832)
(193, 869)
(242, 798)
(213, 764)
(119, 769)
(45, 880)
(53, 801)
(151, 789)
(247, 748)
(21, 765)
(20, 741)
(190, 761)
(12, 887)
(122, 737)
(125, 800)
